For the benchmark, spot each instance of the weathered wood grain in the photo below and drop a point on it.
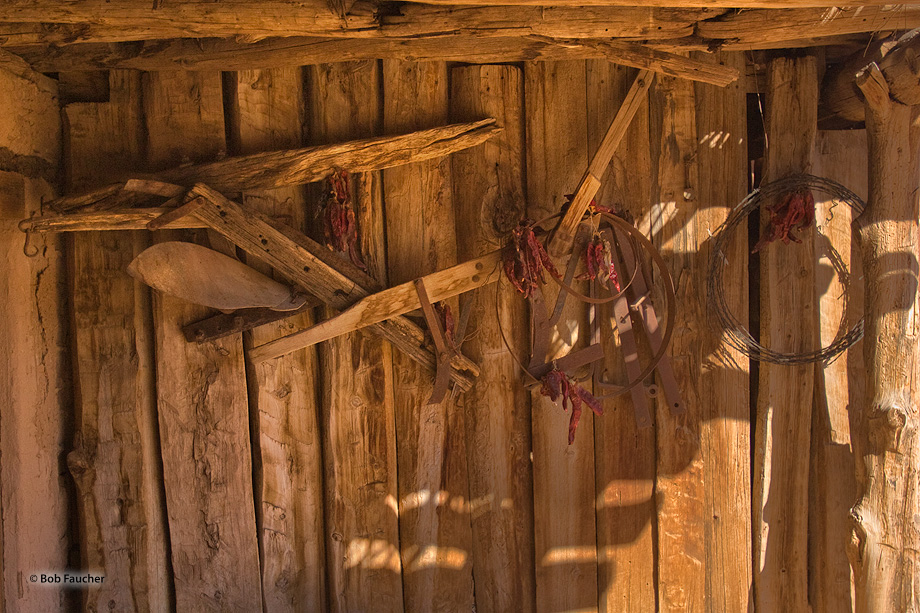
(267, 112)
(557, 154)
(488, 195)
(766, 28)
(115, 219)
(724, 394)
(38, 22)
(841, 97)
(788, 324)
(267, 170)
(682, 564)
(434, 521)
(635, 99)
(624, 454)
(359, 435)
(116, 457)
(884, 541)
(336, 281)
(35, 396)
(201, 389)
(389, 303)
(839, 155)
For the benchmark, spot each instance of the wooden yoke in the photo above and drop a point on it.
(561, 241)
(884, 547)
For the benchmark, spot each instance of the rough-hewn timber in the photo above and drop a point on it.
(557, 155)
(359, 435)
(788, 324)
(115, 459)
(434, 521)
(682, 564)
(267, 112)
(884, 545)
(201, 389)
(839, 155)
(35, 400)
(49, 23)
(497, 408)
(624, 453)
(725, 431)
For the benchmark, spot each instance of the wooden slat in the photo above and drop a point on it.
(389, 303)
(35, 399)
(764, 28)
(267, 113)
(624, 454)
(116, 219)
(557, 154)
(434, 522)
(359, 437)
(115, 460)
(682, 565)
(201, 389)
(46, 22)
(839, 155)
(663, 62)
(488, 194)
(725, 406)
(788, 324)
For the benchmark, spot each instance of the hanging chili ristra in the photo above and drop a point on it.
(599, 263)
(557, 385)
(794, 211)
(339, 222)
(525, 259)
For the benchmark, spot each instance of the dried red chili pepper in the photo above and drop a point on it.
(794, 211)
(447, 322)
(525, 259)
(599, 263)
(557, 385)
(339, 223)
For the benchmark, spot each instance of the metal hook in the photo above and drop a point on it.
(28, 249)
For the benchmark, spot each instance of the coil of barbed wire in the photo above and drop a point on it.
(739, 337)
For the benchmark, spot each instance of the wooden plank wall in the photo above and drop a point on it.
(324, 481)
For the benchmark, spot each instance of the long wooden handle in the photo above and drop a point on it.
(587, 189)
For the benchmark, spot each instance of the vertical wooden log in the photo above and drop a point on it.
(116, 457)
(359, 445)
(434, 522)
(488, 194)
(679, 484)
(201, 389)
(34, 395)
(724, 395)
(564, 522)
(625, 453)
(283, 393)
(885, 542)
(788, 324)
(839, 155)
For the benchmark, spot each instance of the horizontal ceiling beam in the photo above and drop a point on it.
(54, 22)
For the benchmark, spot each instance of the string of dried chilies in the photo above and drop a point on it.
(525, 259)
(794, 211)
(339, 222)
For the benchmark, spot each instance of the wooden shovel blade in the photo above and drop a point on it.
(209, 278)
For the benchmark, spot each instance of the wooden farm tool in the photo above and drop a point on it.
(203, 276)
